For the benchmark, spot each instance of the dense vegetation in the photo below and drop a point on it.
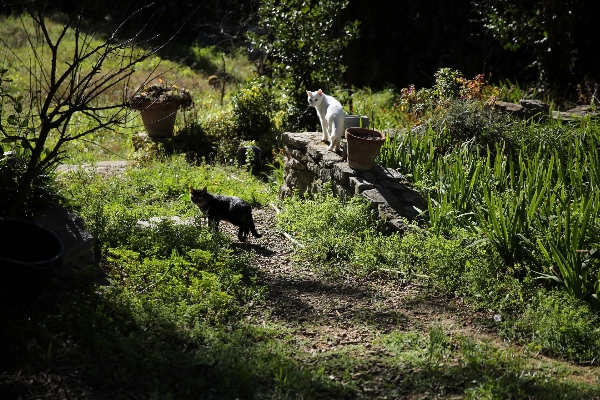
(175, 310)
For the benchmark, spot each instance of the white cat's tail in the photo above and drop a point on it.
(337, 130)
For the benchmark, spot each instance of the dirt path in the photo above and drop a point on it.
(349, 309)
(325, 315)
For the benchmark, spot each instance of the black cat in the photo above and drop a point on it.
(225, 208)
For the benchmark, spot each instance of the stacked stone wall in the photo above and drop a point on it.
(308, 165)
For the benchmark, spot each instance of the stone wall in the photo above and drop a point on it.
(308, 165)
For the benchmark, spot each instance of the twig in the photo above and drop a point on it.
(388, 270)
(287, 235)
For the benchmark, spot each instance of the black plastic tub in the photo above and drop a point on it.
(28, 253)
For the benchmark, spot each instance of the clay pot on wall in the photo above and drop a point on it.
(158, 117)
(363, 147)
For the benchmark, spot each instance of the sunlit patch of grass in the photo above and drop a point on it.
(232, 68)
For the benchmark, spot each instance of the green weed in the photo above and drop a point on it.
(558, 325)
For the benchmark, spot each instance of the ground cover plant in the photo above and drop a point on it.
(177, 310)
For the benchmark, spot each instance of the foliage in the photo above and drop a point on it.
(563, 249)
(42, 192)
(161, 93)
(459, 365)
(449, 85)
(546, 27)
(176, 290)
(58, 92)
(534, 203)
(303, 43)
(474, 123)
(558, 325)
(328, 231)
(253, 109)
(448, 265)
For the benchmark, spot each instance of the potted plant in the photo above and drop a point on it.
(363, 147)
(158, 104)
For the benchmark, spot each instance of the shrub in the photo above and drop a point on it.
(220, 130)
(469, 121)
(449, 86)
(13, 165)
(299, 58)
(559, 325)
(253, 108)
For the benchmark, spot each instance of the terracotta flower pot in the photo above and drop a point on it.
(158, 118)
(363, 147)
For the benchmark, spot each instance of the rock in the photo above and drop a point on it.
(294, 164)
(301, 140)
(380, 196)
(69, 227)
(581, 111)
(360, 184)
(510, 108)
(535, 108)
(299, 180)
(526, 109)
(155, 221)
(342, 172)
(78, 242)
(103, 167)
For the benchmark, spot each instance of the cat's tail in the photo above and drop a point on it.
(252, 227)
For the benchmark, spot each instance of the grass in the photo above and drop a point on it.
(182, 316)
(196, 66)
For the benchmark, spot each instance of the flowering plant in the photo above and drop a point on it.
(161, 93)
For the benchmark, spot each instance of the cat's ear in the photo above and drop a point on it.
(320, 92)
(308, 92)
(204, 190)
(191, 190)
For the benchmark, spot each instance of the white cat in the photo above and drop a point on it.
(331, 114)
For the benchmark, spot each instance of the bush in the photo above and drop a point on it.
(253, 108)
(253, 117)
(559, 325)
(220, 130)
(42, 191)
(299, 57)
(470, 121)
(449, 86)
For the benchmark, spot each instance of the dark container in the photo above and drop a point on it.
(28, 253)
